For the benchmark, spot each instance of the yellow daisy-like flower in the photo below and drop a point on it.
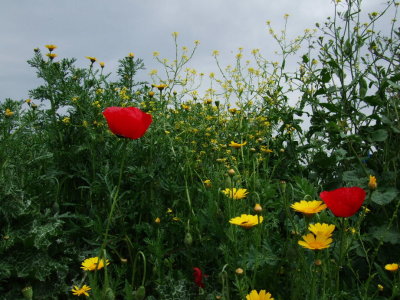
(236, 193)
(263, 295)
(308, 207)
(392, 267)
(50, 47)
(92, 59)
(237, 145)
(157, 220)
(93, 264)
(322, 229)
(130, 54)
(9, 112)
(247, 221)
(160, 87)
(76, 291)
(372, 183)
(102, 64)
(317, 242)
(51, 55)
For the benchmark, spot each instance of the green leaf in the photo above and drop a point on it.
(305, 58)
(325, 76)
(379, 135)
(385, 235)
(363, 87)
(384, 197)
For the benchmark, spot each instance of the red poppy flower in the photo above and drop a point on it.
(128, 122)
(198, 277)
(344, 202)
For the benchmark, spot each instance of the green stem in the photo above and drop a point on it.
(115, 196)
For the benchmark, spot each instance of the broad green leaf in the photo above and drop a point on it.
(385, 235)
(379, 135)
(384, 197)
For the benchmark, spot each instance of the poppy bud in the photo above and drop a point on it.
(27, 292)
(109, 294)
(140, 293)
(188, 239)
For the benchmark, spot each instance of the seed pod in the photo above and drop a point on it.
(188, 239)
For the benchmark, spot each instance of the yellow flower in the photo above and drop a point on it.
(263, 295)
(66, 120)
(156, 53)
(160, 87)
(93, 264)
(392, 267)
(102, 64)
(380, 287)
(235, 193)
(169, 211)
(313, 242)
(237, 145)
(76, 291)
(28, 101)
(92, 59)
(130, 54)
(51, 55)
(8, 112)
(372, 183)
(265, 149)
(322, 229)
(157, 220)
(308, 207)
(247, 221)
(50, 47)
(207, 183)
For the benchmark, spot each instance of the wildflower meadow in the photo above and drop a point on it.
(266, 179)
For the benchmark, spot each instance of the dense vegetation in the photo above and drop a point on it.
(159, 206)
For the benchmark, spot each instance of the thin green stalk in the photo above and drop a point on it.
(115, 195)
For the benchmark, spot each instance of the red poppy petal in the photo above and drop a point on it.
(344, 202)
(129, 122)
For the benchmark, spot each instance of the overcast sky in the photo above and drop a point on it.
(110, 29)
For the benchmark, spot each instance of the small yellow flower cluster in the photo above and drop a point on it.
(8, 112)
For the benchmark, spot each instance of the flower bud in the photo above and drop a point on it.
(27, 292)
(239, 271)
(258, 208)
(140, 293)
(188, 239)
(231, 172)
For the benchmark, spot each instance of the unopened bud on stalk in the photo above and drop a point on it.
(188, 239)
(231, 172)
(27, 292)
(317, 262)
(257, 208)
(239, 271)
(140, 293)
(283, 185)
